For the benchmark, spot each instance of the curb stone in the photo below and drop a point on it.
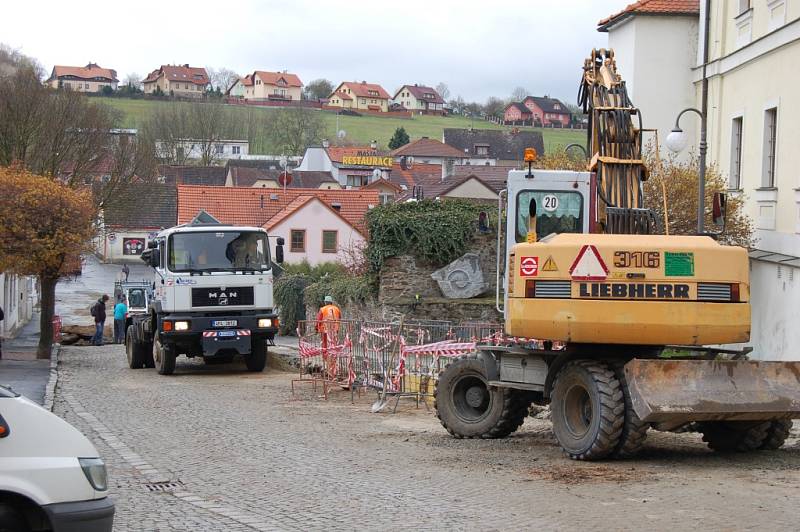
(52, 381)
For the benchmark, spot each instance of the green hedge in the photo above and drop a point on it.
(437, 232)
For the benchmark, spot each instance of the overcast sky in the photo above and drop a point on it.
(478, 48)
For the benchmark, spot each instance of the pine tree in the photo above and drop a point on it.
(400, 138)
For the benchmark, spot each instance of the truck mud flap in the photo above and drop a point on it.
(672, 392)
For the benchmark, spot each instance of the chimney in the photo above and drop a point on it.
(186, 65)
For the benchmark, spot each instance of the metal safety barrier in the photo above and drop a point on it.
(395, 359)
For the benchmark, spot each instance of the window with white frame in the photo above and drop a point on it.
(735, 181)
(770, 139)
(236, 150)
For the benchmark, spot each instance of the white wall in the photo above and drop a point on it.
(17, 298)
(655, 56)
(775, 305)
(111, 249)
(315, 217)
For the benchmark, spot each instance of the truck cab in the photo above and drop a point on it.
(212, 297)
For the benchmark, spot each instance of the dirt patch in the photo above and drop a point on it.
(580, 473)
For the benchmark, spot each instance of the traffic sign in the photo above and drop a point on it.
(529, 266)
(589, 265)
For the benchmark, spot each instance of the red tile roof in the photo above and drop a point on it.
(652, 7)
(416, 173)
(196, 75)
(362, 89)
(257, 206)
(88, 72)
(247, 81)
(273, 78)
(421, 92)
(426, 147)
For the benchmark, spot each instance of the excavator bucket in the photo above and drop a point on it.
(673, 392)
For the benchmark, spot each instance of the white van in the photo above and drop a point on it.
(51, 476)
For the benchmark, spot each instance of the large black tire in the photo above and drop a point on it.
(468, 408)
(133, 350)
(634, 430)
(257, 360)
(777, 432)
(164, 357)
(734, 436)
(11, 520)
(587, 408)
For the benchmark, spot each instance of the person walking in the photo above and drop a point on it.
(126, 271)
(120, 309)
(98, 311)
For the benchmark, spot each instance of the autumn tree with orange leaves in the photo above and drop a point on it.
(44, 223)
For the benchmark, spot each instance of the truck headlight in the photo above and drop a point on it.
(264, 323)
(181, 325)
(95, 471)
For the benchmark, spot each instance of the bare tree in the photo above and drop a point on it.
(134, 81)
(519, 94)
(293, 129)
(494, 106)
(208, 123)
(457, 105)
(221, 78)
(443, 90)
(317, 89)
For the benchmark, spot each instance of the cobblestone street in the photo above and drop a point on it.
(238, 453)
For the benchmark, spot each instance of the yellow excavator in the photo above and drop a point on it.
(618, 329)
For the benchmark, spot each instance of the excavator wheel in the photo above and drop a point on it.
(634, 430)
(734, 436)
(587, 408)
(469, 408)
(777, 432)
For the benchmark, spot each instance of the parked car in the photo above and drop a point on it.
(51, 476)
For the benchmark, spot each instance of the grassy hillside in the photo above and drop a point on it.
(359, 129)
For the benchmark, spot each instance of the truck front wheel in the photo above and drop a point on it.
(139, 354)
(164, 357)
(469, 408)
(587, 410)
(257, 360)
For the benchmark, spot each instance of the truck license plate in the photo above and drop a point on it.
(226, 333)
(224, 323)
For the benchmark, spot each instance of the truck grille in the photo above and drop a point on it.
(713, 292)
(230, 296)
(553, 289)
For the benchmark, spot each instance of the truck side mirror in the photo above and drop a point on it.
(279, 250)
(718, 209)
(151, 257)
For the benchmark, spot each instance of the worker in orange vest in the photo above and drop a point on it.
(328, 317)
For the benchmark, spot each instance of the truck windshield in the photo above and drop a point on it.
(556, 212)
(218, 251)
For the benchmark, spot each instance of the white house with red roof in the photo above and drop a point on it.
(361, 95)
(273, 86)
(655, 47)
(419, 99)
(91, 78)
(240, 86)
(317, 225)
(177, 80)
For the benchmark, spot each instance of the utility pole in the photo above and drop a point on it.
(701, 189)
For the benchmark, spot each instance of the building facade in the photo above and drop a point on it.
(547, 111)
(274, 86)
(361, 95)
(752, 136)
(193, 149)
(177, 80)
(18, 297)
(517, 114)
(91, 78)
(419, 99)
(655, 45)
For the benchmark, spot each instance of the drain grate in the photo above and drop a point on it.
(163, 486)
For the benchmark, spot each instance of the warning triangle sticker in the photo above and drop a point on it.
(550, 265)
(588, 265)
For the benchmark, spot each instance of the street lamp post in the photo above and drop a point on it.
(676, 142)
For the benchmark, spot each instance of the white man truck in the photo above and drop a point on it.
(212, 298)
